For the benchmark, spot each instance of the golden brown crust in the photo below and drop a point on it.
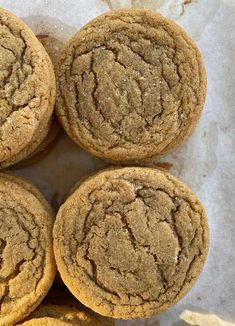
(131, 85)
(27, 85)
(130, 242)
(26, 253)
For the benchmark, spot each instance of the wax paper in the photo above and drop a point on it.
(206, 162)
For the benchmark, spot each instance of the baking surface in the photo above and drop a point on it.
(206, 162)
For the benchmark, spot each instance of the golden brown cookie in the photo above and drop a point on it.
(47, 131)
(27, 85)
(130, 242)
(46, 135)
(27, 266)
(131, 85)
(68, 314)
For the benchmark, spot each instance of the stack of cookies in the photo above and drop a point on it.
(27, 95)
(27, 265)
(128, 242)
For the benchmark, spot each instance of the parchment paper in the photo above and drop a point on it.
(206, 162)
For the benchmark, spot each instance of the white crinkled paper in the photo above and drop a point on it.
(206, 162)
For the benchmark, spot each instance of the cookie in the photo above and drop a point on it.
(130, 242)
(46, 134)
(27, 85)
(68, 314)
(41, 144)
(27, 266)
(131, 85)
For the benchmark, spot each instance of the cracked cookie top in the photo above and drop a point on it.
(130, 242)
(27, 266)
(131, 85)
(27, 84)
